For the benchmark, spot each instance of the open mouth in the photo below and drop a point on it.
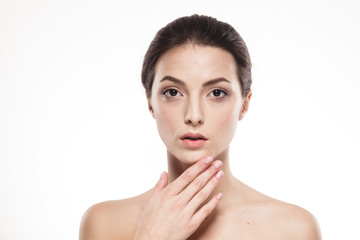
(193, 136)
(193, 139)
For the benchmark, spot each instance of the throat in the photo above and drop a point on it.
(175, 167)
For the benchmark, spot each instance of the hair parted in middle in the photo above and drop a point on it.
(203, 31)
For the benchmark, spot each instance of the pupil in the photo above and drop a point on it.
(173, 92)
(216, 93)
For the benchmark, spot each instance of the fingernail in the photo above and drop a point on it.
(219, 196)
(219, 174)
(208, 160)
(217, 164)
(162, 175)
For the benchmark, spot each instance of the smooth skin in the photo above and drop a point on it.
(196, 90)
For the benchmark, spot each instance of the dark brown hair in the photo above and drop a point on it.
(201, 30)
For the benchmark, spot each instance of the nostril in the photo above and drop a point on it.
(189, 121)
(194, 115)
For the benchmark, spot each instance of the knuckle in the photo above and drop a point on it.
(192, 226)
(198, 182)
(202, 196)
(202, 165)
(177, 204)
(213, 182)
(188, 175)
(207, 211)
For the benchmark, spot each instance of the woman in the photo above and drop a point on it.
(197, 77)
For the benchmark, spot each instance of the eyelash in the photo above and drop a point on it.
(166, 93)
(225, 93)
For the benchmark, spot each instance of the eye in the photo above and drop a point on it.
(218, 93)
(171, 92)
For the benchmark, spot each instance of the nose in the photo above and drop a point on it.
(193, 113)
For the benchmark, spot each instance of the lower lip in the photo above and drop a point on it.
(193, 143)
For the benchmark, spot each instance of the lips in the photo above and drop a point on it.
(193, 139)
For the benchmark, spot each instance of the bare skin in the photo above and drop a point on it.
(196, 90)
(243, 213)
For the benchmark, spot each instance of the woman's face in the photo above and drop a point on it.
(196, 101)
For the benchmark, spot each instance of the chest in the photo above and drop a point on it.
(230, 228)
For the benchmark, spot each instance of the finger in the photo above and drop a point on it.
(161, 184)
(205, 211)
(205, 192)
(188, 176)
(200, 181)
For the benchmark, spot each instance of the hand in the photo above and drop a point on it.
(172, 210)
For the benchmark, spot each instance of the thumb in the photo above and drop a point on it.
(162, 182)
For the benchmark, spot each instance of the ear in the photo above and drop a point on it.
(150, 106)
(151, 109)
(245, 106)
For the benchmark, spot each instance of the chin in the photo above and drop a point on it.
(190, 157)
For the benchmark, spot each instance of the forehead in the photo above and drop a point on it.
(195, 63)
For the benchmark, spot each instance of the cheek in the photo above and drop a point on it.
(167, 120)
(225, 118)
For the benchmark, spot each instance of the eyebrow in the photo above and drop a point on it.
(206, 84)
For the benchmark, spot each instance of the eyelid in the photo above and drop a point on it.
(169, 88)
(163, 92)
(219, 88)
(224, 91)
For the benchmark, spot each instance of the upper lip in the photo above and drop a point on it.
(193, 136)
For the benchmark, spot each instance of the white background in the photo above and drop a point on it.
(75, 129)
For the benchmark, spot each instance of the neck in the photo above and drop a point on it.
(176, 168)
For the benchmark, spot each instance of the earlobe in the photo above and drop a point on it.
(151, 109)
(245, 106)
(149, 105)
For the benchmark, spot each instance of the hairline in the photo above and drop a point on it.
(193, 43)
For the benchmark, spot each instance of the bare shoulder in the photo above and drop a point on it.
(283, 220)
(258, 216)
(293, 221)
(112, 219)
